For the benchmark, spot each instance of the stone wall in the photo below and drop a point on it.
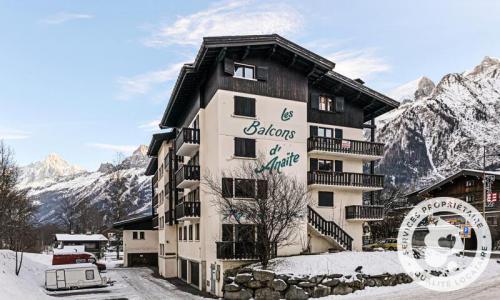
(247, 283)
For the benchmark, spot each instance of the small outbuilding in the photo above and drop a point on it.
(140, 241)
(93, 243)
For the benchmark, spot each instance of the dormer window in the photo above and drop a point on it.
(244, 71)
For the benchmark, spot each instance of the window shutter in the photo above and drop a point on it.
(314, 99)
(239, 147)
(338, 166)
(227, 187)
(262, 73)
(250, 147)
(339, 133)
(313, 162)
(262, 189)
(229, 66)
(325, 199)
(251, 108)
(313, 131)
(339, 104)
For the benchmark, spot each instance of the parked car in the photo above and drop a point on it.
(73, 276)
(390, 244)
(76, 258)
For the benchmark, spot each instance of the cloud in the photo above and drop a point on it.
(63, 17)
(143, 83)
(234, 17)
(12, 134)
(150, 126)
(115, 148)
(359, 63)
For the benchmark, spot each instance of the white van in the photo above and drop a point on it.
(74, 276)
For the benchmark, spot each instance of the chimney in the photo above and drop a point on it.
(359, 80)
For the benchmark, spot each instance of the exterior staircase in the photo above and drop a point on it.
(329, 229)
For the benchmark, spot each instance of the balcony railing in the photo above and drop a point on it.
(345, 179)
(329, 228)
(155, 222)
(187, 173)
(364, 212)
(155, 181)
(155, 200)
(344, 146)
(187, 141)
(187, 210)
(242, 250)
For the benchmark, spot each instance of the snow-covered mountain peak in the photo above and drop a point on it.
(142, 150)
(413, 90)
(488, 66)
(53, 166)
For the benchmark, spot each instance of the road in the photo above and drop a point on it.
(132, 283)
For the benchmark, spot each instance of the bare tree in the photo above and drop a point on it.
(393, 201)
(16, 209)
(273, 202)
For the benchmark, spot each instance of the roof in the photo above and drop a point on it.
(72, 266)
(157, 139)
(134, 221)
(463, 172)
(318, 68)
(80, 237)
(152, 167)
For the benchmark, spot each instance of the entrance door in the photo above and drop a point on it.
(61, 279)
(212, 278)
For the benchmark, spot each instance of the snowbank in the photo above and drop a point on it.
(373, 263)
(29, 283)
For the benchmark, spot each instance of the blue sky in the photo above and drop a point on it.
(86, 79)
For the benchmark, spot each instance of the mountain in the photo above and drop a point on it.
(439, 130)
(52, 181)
(51, 168)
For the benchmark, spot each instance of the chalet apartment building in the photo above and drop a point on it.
(250, 95)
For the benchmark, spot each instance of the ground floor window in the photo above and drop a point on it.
(195, 273)
(197, 230)
(325, 199)
(184, 269)
(89, 274)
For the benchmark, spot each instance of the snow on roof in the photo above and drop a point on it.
(72, 266)
(80, 237)
(481, 171)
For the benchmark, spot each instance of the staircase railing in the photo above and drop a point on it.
(329, 228)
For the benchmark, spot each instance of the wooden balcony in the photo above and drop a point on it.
(345, 180)
(187, 176)
(187, 141)
(364, 213)
(241, 250)
(364, 150)
(187, 210)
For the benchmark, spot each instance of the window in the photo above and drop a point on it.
(244, 71)
(339, 104)
(325, 103)
(262, 189)
(195, 273)
(185, 233)
(469, 198)
(180, 233)
(227, 233)
(469, 183)
(325, 165)
(134, 235)
(141, 235)
(194, 196)
(244, 147)
(191, 232)
(184, 269)
(325, 199)
(197, 231)
(227, 187)
(325, 132)
(339, 134)
(244, 188)
(244, 106)
(492, 220)
(89, 274)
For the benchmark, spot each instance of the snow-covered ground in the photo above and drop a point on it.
(130, 283)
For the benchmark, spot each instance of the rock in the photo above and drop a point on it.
(357, 285)
(358, 269)
(279, 285)
(335, 275)
(321, 291)
(330, 282)
(245, 270)
(378, 281)
(266, 294)
(263, 275)
(242, 278)
(342, 289)
(243, 294)
(296, 293)
(359, 276)
(232, 287)
(283, 277)
(348, 276)
(370, 282)
(293, 280)
(306, 284)
(317, 278)
(230, 273)
(254, 284)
